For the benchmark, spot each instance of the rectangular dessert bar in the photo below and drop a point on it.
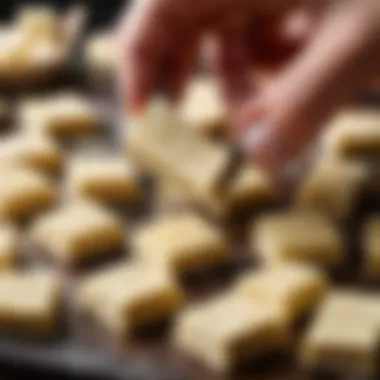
(181, 243)
(24, 193)
(345, 336)
(79, 232)
(62, 115)
(160, 142)
(333, 187)
(130, 296)
(107, 179)
(226, 331)
(29, 303)
(297, 236)
(32, 151)
(354, 134)
(203, 109)
(294, 289)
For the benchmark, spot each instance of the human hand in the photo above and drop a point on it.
(339, 51)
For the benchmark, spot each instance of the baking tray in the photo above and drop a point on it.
(82, 351)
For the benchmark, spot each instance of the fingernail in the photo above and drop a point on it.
(255, 138)
(260, 142)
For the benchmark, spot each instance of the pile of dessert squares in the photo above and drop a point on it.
(70, 208)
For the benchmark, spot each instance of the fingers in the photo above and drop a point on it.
(269, 45)
(157, 28)
(180, 66)
(330, 69)
(231, 64)
(299, 25)
(159, 45)
(144, 43)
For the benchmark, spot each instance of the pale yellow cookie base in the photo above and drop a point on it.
(202, 108)
(200, 244)
(36, 315)
(199, 164)
(34, 152)
(33, 51)
(99, 55)
(24, 193)
(354, 134)
(251, 188)
(228, 330)
(333, 187)
(64, 115)
(79, 233)
(151, 295)
(295, 289)
(108, 180)
(297, 236)
(345, 336)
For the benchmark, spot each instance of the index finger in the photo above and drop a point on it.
(144, 40)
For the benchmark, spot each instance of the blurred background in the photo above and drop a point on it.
(102, 15)
(101, 12)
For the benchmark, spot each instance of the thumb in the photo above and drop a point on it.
(336, 62)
